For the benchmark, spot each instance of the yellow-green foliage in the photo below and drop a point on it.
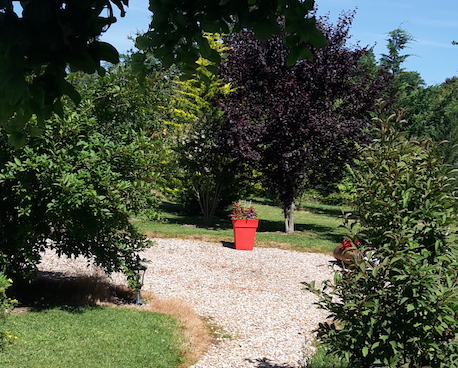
(209, 177)
(193, 99)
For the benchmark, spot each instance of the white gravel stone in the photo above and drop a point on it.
(256, 297)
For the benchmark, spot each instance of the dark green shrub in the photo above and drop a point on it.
(77, 187)
(396, 305)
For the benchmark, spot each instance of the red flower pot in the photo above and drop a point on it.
(344, 255)
(244, 233)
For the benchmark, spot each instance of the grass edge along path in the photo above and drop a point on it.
(196, 331)
(170, 332)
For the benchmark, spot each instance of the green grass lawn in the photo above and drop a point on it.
(105, 337)
(317, 227)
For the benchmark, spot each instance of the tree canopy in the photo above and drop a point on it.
(41, 40)
(398, 40)
(432, 112)
(299, 124)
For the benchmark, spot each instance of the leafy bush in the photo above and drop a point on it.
(6, 305)
(79, 181)
(396, 304)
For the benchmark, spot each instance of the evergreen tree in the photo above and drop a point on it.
(398, 40)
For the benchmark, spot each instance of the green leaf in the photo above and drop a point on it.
(104, 51)
(205, 48)
(317, 38)
(375, 345)
(17, 89)
(365, 351)
(265, 29)
(211, 26)
(298, 53)
(142, 43)
(58, 109)
(291, 41)
(17, 140)
(214, 56)
(68, 89)
(35, 131)
(168, 60)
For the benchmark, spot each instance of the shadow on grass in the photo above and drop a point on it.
(279, 226)
(56, 290)
(321, 209)
(180, 217)
(331, 211)
(323, 232)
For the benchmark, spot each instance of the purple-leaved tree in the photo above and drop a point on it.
(300, 125)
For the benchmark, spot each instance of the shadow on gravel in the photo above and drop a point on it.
(267, 363)
(228, 244)
(54, 289)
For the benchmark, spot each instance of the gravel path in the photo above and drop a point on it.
(254, 296)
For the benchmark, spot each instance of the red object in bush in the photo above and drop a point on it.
(244, 233)
(342, 252)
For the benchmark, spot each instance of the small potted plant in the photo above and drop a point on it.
(245, 222)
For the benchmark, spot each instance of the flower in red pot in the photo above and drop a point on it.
(243, 213)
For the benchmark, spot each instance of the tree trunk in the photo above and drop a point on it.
(288, 210)
(208, 196)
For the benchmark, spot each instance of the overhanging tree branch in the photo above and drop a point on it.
(41, 40)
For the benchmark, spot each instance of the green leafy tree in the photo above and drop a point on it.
(42, 40)
(433, 112)
(126, 110)
(210, 176)
(74, 188)
(395, 305)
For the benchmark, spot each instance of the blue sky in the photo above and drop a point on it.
(433, 24)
